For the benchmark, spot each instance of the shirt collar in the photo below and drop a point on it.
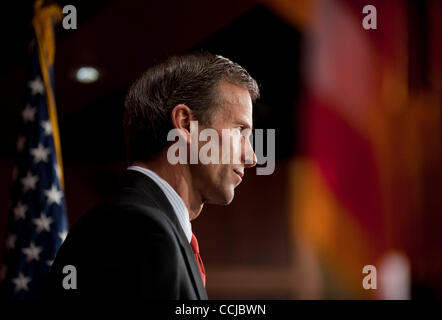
(175, 200)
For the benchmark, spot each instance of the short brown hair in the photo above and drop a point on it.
(190, 79)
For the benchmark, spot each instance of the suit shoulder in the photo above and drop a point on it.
(123, 216)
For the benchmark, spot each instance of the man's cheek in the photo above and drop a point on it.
(226, 151)
(236, 150)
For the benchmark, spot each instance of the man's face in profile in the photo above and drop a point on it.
(217, 182)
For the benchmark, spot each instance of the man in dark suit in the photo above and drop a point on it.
(138, 244)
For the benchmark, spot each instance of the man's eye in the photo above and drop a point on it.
(246, 132)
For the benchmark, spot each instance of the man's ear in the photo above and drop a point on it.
(181, 116)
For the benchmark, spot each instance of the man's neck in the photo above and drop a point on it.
(179, 178)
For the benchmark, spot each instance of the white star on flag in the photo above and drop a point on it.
(21, 282)
(28, 113)
(37, 86)
(32, 252)
(50, 262)
(54, 195)
(40, 153)
(43, 223)
(47, 127)
(10, 241)
(29, 181)
(20, 211)
(21, 143)
(63, 235)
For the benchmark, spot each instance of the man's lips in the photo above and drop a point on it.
(239, 173)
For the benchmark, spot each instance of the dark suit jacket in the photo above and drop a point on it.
(129, 247)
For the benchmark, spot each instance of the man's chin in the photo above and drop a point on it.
(229, 201)
(223, 200)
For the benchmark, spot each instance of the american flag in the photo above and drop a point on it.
(37, 222)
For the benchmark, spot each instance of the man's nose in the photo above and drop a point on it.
(248, 156)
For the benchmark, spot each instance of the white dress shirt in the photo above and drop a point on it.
(175, 200)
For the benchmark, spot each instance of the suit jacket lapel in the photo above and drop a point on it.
(152, 191)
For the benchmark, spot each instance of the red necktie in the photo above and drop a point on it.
(196, 252)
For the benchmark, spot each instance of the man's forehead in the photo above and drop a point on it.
(236, 111)
(233, 94)
(236, 98)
